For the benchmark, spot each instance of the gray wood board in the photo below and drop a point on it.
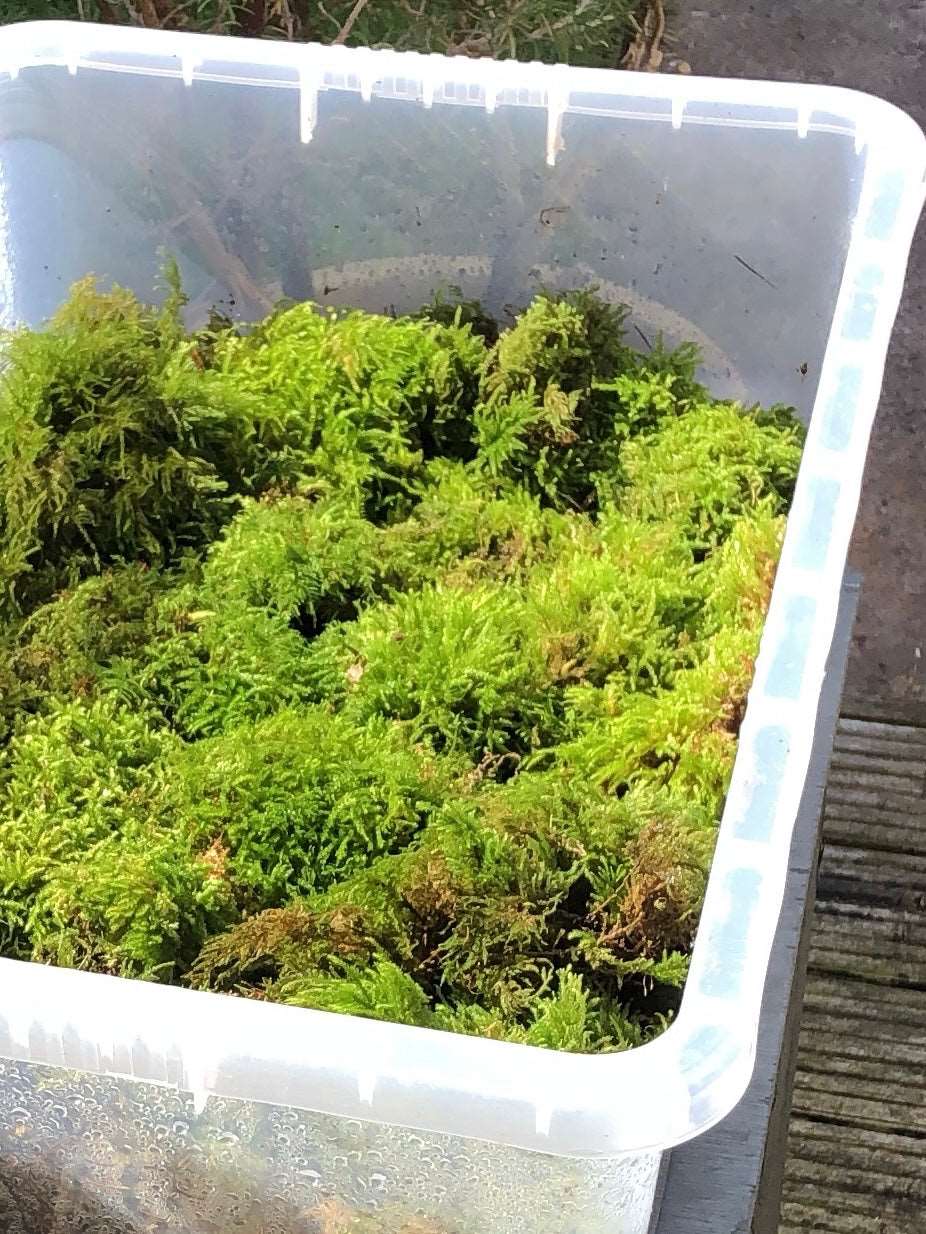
(729, 1180)
(856, 1161)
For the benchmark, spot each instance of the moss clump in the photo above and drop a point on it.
(384, 666)
(561, 392)
(359, 401)
(111, 447)
(304, 798)
(93, 870)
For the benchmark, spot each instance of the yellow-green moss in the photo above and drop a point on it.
(378, 665)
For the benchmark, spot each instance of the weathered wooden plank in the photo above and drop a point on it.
(892, 962)
(863, 756)
(885, 1100)
(906, 733)
(900, 969)
(833, 1038)
(868, 929)
(855, 1203)
(813, 1131)
(865, 999)
(901, 826)
(907, 775)
(863, 1021)
(885, 1066)
(868, 865)
(869, 1186)
(848, 1148)
(800, 1218)
(856, 795)
(862, 742)
(885, 836)
(867, 876)
(882, 918)
(863, 739)
(870, 769)
(870, 942)
(863, 829)
(857, 1144)
(884, 780)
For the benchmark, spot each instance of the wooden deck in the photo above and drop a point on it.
(856, 1159)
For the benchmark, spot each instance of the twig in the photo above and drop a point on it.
(168, 18)
(569, 20)
(324, 12)
(655, 51)
(352, 16)
(280, 10)
(149, 14)
(643, 336)
(645, 50)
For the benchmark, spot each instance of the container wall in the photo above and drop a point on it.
(706, 231)
(100, 1155)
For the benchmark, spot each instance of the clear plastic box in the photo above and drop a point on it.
(771, 224)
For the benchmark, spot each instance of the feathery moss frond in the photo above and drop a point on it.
(387, 666)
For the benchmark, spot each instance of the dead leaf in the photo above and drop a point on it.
(354, 673)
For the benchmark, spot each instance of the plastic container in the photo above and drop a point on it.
(770, 223)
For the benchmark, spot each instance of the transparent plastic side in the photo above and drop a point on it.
(401, 185)
(116, 1156)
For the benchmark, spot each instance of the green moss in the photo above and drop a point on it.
(92, 871)
(110, 447)
(304, 798)
(139, 903)
(211, 666)
(391, 667)
(508, 889)
(378, 991)
(63, 650)
(705, 470)
(561, 393)
(359, 401)
(452, 666)
(464, 527)
(306, 561)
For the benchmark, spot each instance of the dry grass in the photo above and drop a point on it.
(589, 32)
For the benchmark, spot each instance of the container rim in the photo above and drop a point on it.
(431, 77)
(675, 1087)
